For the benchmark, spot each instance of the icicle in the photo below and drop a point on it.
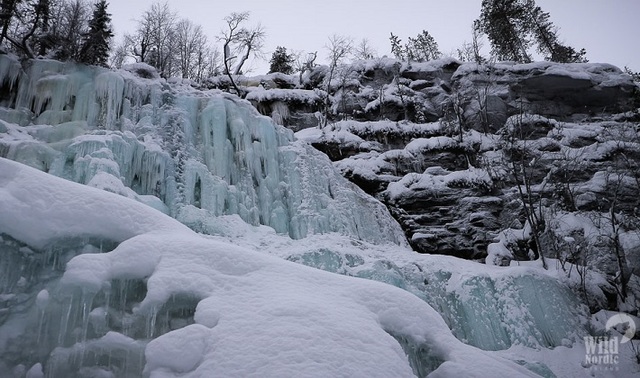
(64, 320)
(151, 319)
(9, 71)
(109, 90)
(42, 300)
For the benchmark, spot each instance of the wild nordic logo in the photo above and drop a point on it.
(603, 351)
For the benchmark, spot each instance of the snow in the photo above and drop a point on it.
(57, 219)
(381, 127)
(256, 314)
(303, 96)
(436, 179)
(598, 73)
(100, 272)
(427, 144)
(186, 148)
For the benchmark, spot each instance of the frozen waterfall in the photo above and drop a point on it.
(110, 287)
(106, 283)
(202, 154)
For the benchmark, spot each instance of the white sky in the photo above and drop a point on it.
(608, 29)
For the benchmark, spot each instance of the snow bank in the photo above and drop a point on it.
(302, 96)
(255, 314)
(436, 179)
(36, 201)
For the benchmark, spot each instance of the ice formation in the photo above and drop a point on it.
(183, 146)
(107, 284)
(166, 301)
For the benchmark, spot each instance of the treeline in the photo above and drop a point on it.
(58, 29)
(81, 31)
(513, 28)
(175, 46)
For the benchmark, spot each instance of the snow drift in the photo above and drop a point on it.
(254, 315)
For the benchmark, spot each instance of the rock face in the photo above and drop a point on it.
(548, 89)
(509, 138)
(454, 195)
(484, 96)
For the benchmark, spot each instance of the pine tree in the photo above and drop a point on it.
(513, 25)
(397, 48)
(96, 45)
(423, 48)
(281, 61)
(546, 37)
(504, 23)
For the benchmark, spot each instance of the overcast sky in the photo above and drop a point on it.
(608, 29)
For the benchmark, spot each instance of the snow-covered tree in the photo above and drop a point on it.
(97, 41)
(423, 48)
(397, 48)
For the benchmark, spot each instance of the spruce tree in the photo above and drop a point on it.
(423, 48)
(546, 37)
(397, 48)
(504, 23)
(281, 61)
(96, 45)
(512, 26)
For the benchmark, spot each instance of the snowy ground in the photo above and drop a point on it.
(256, 313)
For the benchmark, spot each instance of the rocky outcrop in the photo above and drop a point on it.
(481, 96)
(488, 94)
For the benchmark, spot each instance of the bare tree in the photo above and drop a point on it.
(119, 55)
(363, 50)
(138, 44)
(339, 48)
(471, 51)
(32, 23)
(192, 45)
(161, 21)
(211, 63)
(524, 163)
(239, 43)
(8, 9)
(154, 40)
(305, 63)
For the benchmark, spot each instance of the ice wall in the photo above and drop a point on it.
(198, 152)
